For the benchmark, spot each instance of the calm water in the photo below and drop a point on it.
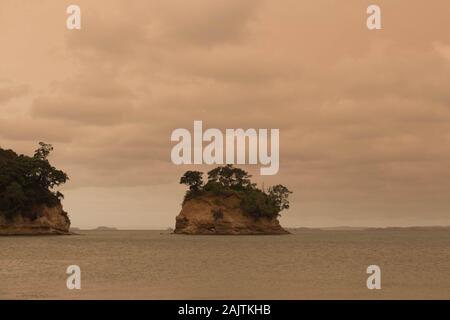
(155, 265)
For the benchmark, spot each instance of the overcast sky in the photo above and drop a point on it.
(364, 116)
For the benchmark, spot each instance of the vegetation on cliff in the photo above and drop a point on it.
(27, 182)
(228, 180)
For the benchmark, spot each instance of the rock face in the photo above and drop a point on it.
(221, 215)
(48, 221)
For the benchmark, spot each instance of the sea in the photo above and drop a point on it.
(307, 264)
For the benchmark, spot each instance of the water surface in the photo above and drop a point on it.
(157, 265)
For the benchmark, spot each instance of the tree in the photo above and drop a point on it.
(42, 172)
(28, 181)
(279, 196)
(241, 178)
(43, 151)
(230, 177)
(226, 181)
(258, 204)
(193, 179)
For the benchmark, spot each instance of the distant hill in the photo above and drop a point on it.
(103, 228)
(344, 228)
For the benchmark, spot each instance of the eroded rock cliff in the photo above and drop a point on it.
(222, 215)
(42, 220)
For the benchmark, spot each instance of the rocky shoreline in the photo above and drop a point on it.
(46, 221)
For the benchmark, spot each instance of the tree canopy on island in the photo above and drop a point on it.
(26, 182)
(228, 180)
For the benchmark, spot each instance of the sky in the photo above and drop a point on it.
(364, 115)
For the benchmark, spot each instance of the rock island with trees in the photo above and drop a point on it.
(28, 202)
(229, 203)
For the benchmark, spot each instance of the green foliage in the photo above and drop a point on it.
(28, 181)
(217, 189)
(193, 179)
(258, 204)
(227, 181)
(279, 195)
(43, 151)
(230, 177)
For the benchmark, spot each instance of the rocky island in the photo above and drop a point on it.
(28, 204)
(230, 204)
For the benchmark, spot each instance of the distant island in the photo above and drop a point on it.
(28, 204)
(103, 228)
(230, 204)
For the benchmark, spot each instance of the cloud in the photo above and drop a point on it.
(95, 97)
(10, 90)
(201, 22)
(28, 129)
(364, 116)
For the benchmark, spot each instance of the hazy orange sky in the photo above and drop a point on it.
(364, 116)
